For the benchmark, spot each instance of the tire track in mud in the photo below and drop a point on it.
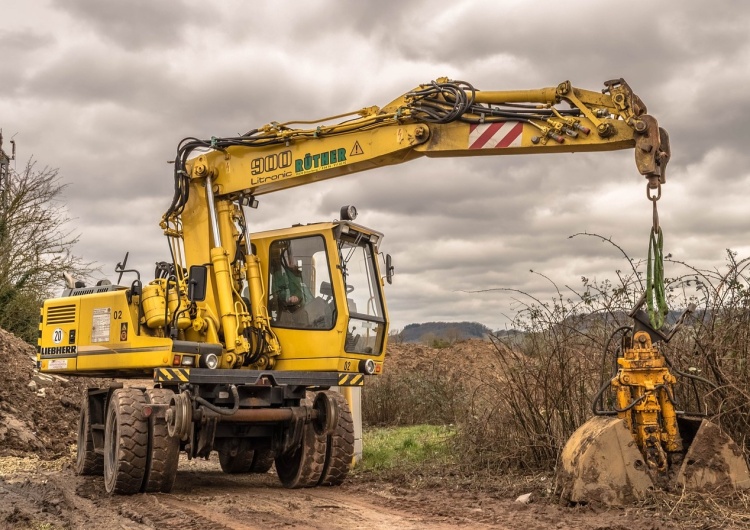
(16, 496)
(167, 514)
(259, 501)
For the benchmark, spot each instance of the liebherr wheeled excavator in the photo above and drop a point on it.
(245, 334)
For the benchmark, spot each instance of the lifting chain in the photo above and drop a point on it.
(656, 298)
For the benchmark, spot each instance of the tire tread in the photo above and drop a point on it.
(340, 445)
(129, 466)
(163, 450)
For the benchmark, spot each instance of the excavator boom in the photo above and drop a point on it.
(440, 119)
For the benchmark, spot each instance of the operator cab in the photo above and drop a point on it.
(324, 294)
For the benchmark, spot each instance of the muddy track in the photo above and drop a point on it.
(205, 498)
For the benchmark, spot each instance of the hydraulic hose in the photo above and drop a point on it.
(221, 410)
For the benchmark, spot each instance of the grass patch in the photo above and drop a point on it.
(386, 448)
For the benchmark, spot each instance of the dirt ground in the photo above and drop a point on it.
(44, 495)
(38, 489)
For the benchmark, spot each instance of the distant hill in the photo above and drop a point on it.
(450, 331)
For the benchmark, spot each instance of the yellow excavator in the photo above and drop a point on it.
(245, 334)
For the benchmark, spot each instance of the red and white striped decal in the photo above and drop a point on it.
(494, 135)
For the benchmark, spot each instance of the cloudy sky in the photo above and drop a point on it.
(104, 91)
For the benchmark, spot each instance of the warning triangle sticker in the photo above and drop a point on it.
(356, 150)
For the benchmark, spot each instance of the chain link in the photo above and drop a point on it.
(649, 187)
(654, 199)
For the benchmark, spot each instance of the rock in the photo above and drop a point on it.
(70, 402)
(524, 499)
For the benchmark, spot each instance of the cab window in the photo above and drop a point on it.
(300, 294)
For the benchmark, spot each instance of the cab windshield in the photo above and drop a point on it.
(366, 326)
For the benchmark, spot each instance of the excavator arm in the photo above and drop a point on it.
(439, 119)
(443, 118)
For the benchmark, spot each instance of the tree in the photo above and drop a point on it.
(396, 336)
(35, 247)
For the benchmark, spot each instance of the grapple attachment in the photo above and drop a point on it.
(643, 441)
(601, 463)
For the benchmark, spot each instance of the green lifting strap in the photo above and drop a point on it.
(655, 280)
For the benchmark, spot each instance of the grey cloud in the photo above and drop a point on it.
(87, 75)
(372, 19)
(21, 42)
(17, 49)
(107, 97)
(132, 25)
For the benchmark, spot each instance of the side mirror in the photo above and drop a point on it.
(389, 269)
(197, 283)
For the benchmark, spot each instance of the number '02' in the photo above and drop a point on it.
(117, 315)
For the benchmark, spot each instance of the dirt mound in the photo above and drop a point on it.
(38, 412)
(470, 358)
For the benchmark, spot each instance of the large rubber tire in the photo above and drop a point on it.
(87, 462)
(163, 450)
(303, 467)
(340, 445)
(240, 462)
(262, 461)
(125, 442)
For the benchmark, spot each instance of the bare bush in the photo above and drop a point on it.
(562, 351)
(716, 344)
(523, 414)
(396, 336)
(430, 395)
